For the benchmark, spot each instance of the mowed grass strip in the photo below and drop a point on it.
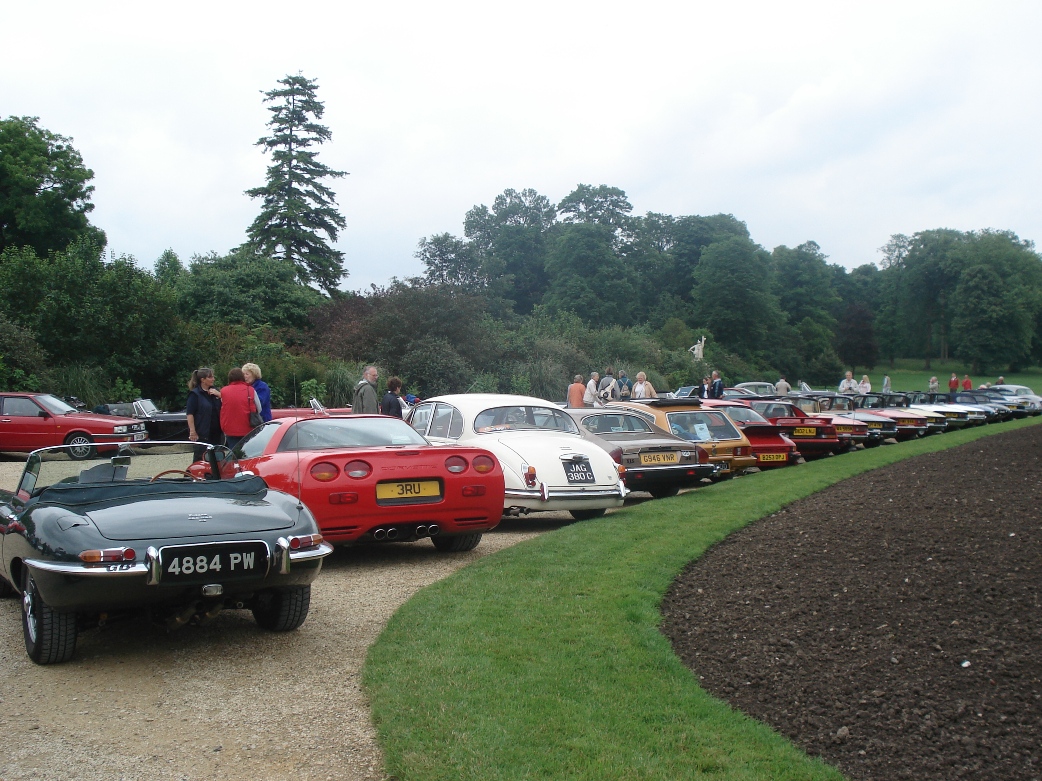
(546, 661)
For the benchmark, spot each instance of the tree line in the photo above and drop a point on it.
(530, 294)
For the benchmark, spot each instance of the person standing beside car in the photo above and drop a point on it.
(864, 386)
(365, 400)
(848, 384)
(238, 402)
(932, 386)
(391, 403)
(716, 387)
(576, 391)
(590, 397)
(782, 387)
(953, 385)
(642, 389)
(203, 410)
(252, 373)
(625, 386)
(967, 383)
(608, 388)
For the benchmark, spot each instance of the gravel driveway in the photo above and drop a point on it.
(225, 700)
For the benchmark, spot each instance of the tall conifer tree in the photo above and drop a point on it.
(298, 208)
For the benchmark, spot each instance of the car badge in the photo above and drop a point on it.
(201, 517)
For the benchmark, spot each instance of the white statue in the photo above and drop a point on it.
(698, 349)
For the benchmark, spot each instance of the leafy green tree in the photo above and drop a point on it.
(989, 327)
(587, 277)
(511, 241)
(803, 283)
(856, 341)
(297, 207)
(602, 205)
(733, 294)
(44, 190)
(244, 288)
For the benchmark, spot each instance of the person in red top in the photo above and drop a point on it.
(236, 398)
(953, 385)
(967, 383)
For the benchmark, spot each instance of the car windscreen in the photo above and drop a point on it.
(523, 417)
(326, 433)
(615, 424)
(745, 415)
(147, 407)
(126, 462)
(54, 405)
(701, 425)
(774, 410)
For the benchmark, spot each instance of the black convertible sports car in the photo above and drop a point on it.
(159, 424)
(154, 528)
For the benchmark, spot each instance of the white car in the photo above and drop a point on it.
(1024, 393)
(547, 463)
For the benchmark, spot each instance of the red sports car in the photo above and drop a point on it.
(814, 437)
(372, 478)
(770, 445)
(33, 420)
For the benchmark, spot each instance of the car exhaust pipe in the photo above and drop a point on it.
(392, 533)
(179, 620)
(421, 531)
(433, 530)
(379, 534)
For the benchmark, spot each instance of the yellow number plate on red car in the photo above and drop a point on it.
(771, 456)
(804, 432)
(404, 492)
(659, 458)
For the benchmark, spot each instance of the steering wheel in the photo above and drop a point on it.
(181, 472)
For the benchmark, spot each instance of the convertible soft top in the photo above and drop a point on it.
(94, 493)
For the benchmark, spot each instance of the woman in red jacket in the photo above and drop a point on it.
(238, 400)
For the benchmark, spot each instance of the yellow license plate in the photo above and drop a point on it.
(659, 458)
(805, 432)
(844, 429)
(908, 422)
(875, 425)
(404, 491)
(771, 457)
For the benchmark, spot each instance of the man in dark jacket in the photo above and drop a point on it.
(366, 402)
(716, 387)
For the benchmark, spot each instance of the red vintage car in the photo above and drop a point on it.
(372, 478)
(770, 445)
(814, 437)
(29, 421)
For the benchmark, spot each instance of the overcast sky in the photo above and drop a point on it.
(840, 123)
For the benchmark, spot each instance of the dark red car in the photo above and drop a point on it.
(814, 437)
(372, 478)
(29, 421)
(771, 446)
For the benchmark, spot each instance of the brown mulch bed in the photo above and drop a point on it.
(891, 624)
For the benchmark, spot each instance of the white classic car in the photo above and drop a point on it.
(547, 463)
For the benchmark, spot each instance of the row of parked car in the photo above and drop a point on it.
(107, 522)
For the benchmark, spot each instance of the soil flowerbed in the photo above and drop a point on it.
(891, 624)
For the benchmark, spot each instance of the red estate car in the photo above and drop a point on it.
(29, 421)
(770, 445)
(814, 437)
(372, 478)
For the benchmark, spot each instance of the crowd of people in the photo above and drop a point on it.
(598, 390)
(225, 416)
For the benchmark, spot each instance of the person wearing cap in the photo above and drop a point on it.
(576, 391)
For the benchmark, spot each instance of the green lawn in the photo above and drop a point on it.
(545, 660)
(909, 374)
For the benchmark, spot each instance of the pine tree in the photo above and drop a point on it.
(298, 207)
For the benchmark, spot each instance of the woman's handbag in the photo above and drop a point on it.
(255, 417)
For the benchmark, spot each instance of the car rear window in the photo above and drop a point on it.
(700, 426)
(523, 417)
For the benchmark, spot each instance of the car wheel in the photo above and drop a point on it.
(50, 635)
(81, 446)
(456, 543)
(283, 609)
(664, 493)
(586, 515)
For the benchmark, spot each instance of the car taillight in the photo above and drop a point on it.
(455, 464)
(483, 464)
(530, 479)
(324, 471)
(108, 554)
(357, 469)
(616, 455)
(621, 469)
(304, 541)
(473, 490)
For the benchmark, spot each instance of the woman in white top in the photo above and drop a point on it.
(864, 386)
(642, 389)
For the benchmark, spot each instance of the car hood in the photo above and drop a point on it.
(95, 419)
(188, 517)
